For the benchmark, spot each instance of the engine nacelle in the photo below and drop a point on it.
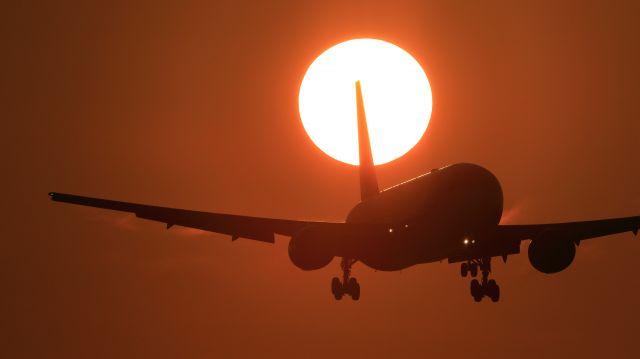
(311, 248)
(550, 253)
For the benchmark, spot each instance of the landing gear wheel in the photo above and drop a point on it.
(473, 268)
(353, 287)
(493, 291)
(336, 288)
(464, 269)
(476, 290)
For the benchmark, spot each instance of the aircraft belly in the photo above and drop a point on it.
(404, 249)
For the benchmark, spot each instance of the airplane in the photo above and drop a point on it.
(450, 213)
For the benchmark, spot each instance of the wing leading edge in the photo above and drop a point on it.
(257, 228)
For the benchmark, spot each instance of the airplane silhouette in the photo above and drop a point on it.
(450, 213)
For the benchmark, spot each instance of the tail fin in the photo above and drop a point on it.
(368, 179)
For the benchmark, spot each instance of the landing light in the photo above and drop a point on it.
(466, 241)
(390, 230)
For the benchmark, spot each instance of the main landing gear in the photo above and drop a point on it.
(485, 287)
(348, 285)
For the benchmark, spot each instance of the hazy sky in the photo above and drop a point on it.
(194, 105)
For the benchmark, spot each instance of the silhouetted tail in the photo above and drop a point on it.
(368, 179)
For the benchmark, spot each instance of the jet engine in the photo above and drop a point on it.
(311, 248)
(550, 253)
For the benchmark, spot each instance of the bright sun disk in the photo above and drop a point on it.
(396, 94)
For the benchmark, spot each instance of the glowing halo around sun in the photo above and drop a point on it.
(396, 93)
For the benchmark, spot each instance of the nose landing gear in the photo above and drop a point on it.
(348, 285)
(485, 287)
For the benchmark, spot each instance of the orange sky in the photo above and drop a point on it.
(193, 105)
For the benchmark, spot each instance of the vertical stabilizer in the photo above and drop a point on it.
(368, 179)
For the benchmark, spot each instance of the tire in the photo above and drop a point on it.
(336, 288)
(464, 269)
(474, 270)
(353, 288)
(476, 290)
(355, 294)
(496, 296)
(493, 291)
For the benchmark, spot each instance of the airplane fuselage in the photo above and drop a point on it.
(429, 218)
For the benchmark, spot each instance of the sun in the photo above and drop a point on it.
(395, 90)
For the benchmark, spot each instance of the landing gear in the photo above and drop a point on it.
(485, 287)
(348, 285)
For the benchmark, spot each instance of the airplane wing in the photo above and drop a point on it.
(576, 231)
(257, 228)
(505, 239)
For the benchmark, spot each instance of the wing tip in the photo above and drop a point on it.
(57, 196)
